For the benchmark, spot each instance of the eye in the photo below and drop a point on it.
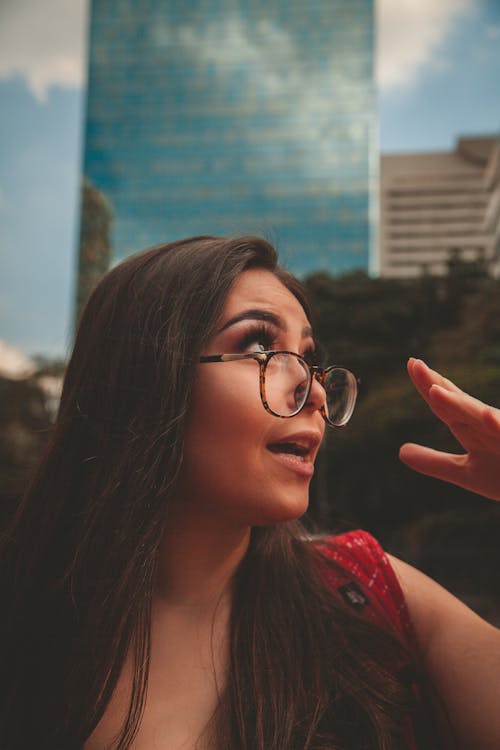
(315, 353)
(312, 356)
(258, 339)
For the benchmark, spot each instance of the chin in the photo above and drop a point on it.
(287, 509)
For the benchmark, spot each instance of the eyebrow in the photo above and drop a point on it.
(269, 317)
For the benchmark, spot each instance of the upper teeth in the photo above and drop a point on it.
(296, 448)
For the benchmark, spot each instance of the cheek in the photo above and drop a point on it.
(230, 440)
(226, 400)
(220, 467)
(226, 467)
(226, 419)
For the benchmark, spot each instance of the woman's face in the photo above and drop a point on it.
(240, 462)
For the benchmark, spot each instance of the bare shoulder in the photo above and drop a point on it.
(461, 652)
(433, 607)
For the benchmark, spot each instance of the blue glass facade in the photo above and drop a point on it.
(236, 116)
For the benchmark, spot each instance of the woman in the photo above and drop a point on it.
(158, 591)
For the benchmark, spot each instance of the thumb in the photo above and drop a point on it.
(446, 466)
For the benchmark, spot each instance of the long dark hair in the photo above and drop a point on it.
(78, 562)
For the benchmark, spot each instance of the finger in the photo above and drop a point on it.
(446, 466)
(475, 425)
(492, 419)
(449, 402)
(443, 408)
(458, 407)
(423, 378)
(475, 441)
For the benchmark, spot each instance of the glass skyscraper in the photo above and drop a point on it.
(236, 116)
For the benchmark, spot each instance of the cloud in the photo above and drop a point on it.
(265, 49)
(44, 42)
(298, 92)
(13, 363)
(411, 34)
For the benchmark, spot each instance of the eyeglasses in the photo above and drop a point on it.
(285, 384)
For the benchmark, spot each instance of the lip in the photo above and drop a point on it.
(308, 441)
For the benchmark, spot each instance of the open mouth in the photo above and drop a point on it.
(297, 450)
(300, 451)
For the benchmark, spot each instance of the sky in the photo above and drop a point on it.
(438, 77)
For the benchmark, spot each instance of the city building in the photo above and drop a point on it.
(229, 117)
(437, 208)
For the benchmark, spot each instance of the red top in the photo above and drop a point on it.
(366, 581)
(362, 559)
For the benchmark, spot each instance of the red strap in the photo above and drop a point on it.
(367, 581)
(364, 564)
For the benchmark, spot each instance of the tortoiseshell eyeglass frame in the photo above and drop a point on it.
(319, 373)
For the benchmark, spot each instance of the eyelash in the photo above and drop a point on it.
(267, 337)
(261, 334)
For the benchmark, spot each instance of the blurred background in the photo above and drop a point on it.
(360, 136)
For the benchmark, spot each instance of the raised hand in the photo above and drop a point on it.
(475, 425)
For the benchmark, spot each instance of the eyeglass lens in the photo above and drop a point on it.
(287, 383)
(341, 390)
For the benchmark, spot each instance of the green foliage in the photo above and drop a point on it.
(367, 483)
(373, 326)
(24, 426)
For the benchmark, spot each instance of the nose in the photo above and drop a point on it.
(317, 394)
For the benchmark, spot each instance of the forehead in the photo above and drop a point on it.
(258, 288)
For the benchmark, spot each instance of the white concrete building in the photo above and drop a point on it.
(434, 206)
